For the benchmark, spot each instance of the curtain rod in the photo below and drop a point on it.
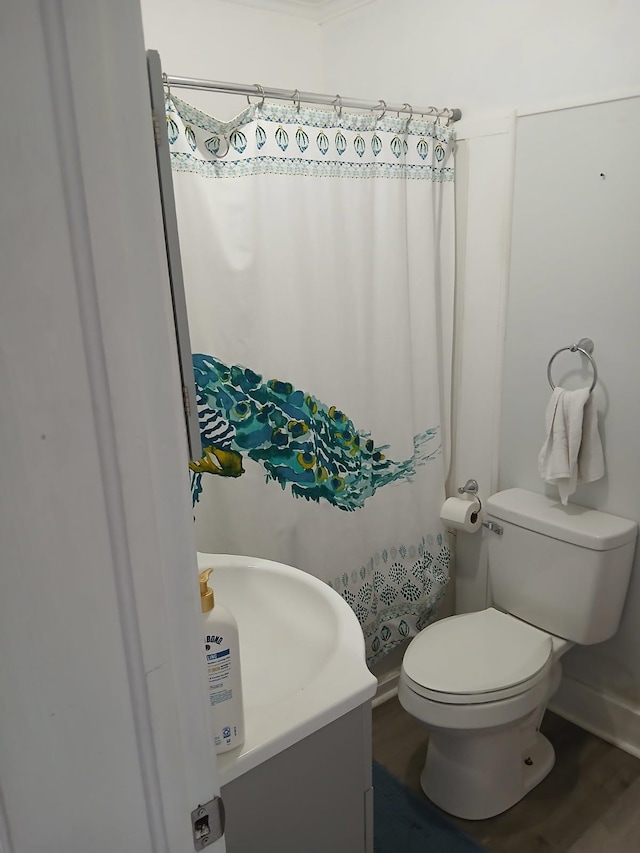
(297, 97)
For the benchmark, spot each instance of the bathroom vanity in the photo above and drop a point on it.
(301, 782)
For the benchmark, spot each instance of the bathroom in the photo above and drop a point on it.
(489, 61)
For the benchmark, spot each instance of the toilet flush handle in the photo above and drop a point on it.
(493, 527)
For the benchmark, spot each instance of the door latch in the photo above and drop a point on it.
(207, 822)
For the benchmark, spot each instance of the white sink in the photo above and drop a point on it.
(301, 650)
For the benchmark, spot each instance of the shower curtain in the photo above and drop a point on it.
(318, 255)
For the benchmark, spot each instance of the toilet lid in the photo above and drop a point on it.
(477, 657)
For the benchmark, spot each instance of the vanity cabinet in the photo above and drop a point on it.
(313, 797)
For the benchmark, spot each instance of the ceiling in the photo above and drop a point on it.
(314, 10)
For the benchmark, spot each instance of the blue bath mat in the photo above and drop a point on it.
(406, 823)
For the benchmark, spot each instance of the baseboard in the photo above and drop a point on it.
(602, 714)
(388, 676)
(387, 671)
(386, 690)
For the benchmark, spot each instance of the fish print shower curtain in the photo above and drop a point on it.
(318, 255)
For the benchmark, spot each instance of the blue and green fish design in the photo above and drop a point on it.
(299, 441)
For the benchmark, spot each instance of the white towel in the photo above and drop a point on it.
(572, 451)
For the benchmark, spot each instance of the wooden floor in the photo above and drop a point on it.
(589, 803)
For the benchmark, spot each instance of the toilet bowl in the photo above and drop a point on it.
(480, 682)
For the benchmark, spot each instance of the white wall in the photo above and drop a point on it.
(484, 161)
(485, 57)
(574, 273)
(215, 40)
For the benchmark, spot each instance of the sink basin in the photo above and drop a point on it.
(301, 651)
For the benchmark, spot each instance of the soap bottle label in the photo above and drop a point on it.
(219, 663)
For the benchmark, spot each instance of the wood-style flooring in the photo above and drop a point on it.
(589, 803)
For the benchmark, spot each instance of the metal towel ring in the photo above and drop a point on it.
(584, 346)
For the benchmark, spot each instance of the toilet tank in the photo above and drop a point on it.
(564, 569)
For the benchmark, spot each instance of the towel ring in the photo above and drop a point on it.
(584, 346)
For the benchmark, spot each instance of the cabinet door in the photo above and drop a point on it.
(314, 796)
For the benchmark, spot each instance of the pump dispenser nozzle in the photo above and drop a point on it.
(206, 594)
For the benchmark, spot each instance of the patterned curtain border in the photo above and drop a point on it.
(307, 117)
(397, 592)
(283, 140)
(184, 162)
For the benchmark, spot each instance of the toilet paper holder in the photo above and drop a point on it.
(471, 487)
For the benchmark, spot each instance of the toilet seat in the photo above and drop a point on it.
(477, 658)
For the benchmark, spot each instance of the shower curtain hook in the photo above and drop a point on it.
(410, 108)
(165, 82)
(337, 105)
(381, 106)
(296, 99)
(261, 92)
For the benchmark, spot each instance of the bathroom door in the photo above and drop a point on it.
(104, 736)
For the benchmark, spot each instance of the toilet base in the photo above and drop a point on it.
(477, 775)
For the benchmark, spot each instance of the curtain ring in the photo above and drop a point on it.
(439, 115)
(381, 106)
(410, 108)
(261, 91)
(222, 154)
(165, 82)
(337, 105)
(296, 99)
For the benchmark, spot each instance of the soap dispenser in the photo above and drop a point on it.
(224, 681)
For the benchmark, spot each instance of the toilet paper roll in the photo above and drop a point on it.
(461, 514)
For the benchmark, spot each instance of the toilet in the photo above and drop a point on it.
(480, 682)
